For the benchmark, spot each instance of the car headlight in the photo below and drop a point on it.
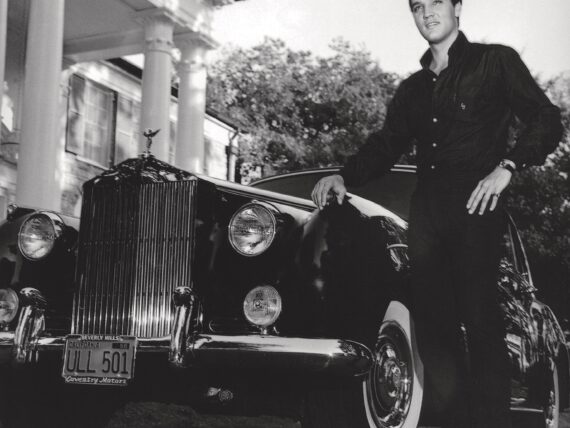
(252, 229)
(38, 234)
(262, 306)
(9, 303)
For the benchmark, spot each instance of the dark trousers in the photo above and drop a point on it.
(455, 258)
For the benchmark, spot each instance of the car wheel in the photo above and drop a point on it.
(393, 390)
(391, 394)
(552, 405)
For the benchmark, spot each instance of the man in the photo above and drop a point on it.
(457, 109)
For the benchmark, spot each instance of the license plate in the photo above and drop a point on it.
(99, 360)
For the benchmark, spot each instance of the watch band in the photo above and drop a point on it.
(509, 165)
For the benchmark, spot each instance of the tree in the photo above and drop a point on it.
(299, 110)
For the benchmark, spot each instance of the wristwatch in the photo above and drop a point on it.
(509, 165)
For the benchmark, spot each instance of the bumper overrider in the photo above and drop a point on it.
(186, 348)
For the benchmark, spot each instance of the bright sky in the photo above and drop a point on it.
(538, 29)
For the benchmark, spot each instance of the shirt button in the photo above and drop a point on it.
(434, 79)
(434, 120)
(432, 166)
(434, 145)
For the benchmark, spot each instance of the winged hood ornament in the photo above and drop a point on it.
(149, 134)
(143, 169)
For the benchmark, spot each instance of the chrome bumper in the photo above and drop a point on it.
(184, 348)
(338, 357)
(342, 357)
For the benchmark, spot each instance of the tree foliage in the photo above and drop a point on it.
(300, 110)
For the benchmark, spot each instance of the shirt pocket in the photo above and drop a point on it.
(472, 104)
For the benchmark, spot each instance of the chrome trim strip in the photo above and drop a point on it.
(526, 410)
(389, 247)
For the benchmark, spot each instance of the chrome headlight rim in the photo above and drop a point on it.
(277, 311)
(16, 301)
(57, 226)
(270, 210)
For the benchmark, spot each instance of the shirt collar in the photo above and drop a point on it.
(455, 51)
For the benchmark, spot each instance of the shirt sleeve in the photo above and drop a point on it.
(543, 126)
(382, 148)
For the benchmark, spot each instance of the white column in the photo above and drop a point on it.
(37, 160)
(156, 86)
(3, 29)
(191, 103)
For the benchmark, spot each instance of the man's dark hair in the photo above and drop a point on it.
(452, 1)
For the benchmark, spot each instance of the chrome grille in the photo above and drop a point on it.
(135, 248)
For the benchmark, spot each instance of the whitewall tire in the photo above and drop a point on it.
(393, 390)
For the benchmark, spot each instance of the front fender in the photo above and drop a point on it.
(53, 276)
(345, 262)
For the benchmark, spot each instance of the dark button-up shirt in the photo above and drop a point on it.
(460, 119)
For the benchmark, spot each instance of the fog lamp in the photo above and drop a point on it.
(9, 303)
(252, 229)
(38, 235)
(262, 306)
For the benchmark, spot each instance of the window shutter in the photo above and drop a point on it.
(75, 118)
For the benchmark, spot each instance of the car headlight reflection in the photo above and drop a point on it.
(252, 229)
(38, 235)
(262, 306)
(9, 303)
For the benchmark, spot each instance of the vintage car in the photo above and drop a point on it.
(209, 277)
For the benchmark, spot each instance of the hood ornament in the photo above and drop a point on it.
(149, 134)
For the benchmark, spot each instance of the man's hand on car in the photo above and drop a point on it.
(332, 185)
(489, 189)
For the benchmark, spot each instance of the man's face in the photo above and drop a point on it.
(436, 19)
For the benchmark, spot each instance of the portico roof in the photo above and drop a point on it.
(102, 29)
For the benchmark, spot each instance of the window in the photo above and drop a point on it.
(90, 121)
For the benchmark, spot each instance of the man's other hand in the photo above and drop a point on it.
(332, 185)
(489, 189)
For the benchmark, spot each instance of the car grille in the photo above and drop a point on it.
(135, 248)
